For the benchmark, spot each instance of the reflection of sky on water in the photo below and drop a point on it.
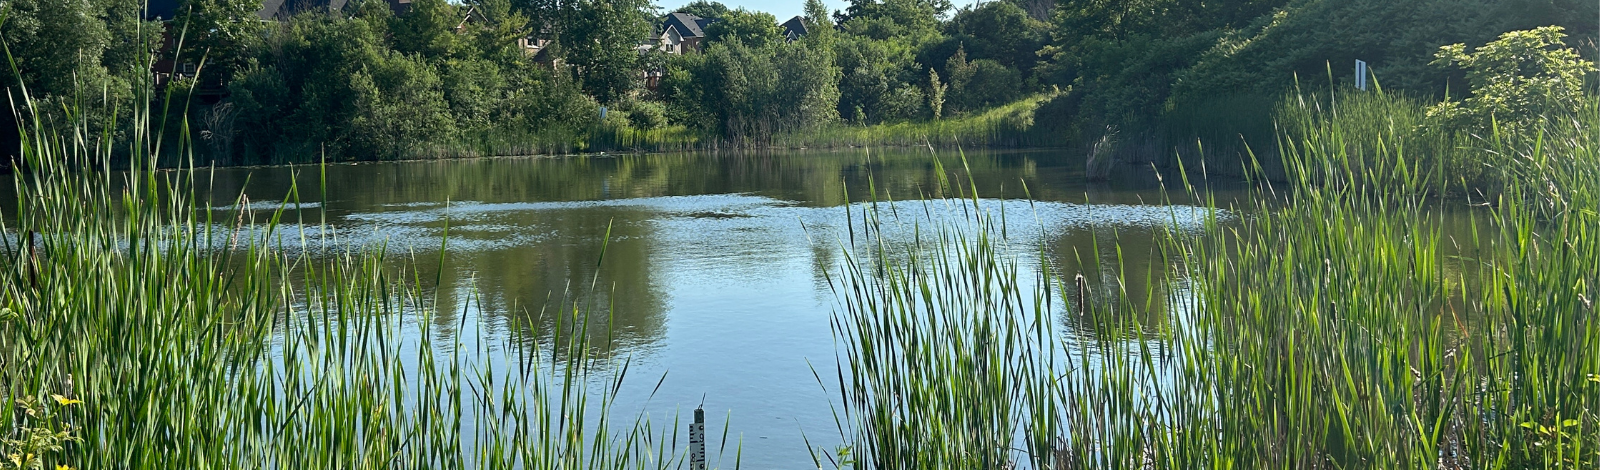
(714, 266)
(725, 294)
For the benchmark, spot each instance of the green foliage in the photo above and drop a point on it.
(335, 86)
(1138, 64)
(913, 22)
(474, 89)
(600, 39)
(1398, 39)
(979, 84)
(220, 32)
(82, 51)
(1010, 125)
(398, 105)
(819, 25)
(998, 31)
(495, 37)
(946, 362)
(705, 9)
(154, 332)
(877, 78)
(58, 45)
(427, 28)
(39, 433)
(1361, 128)
(1518, 80)
(1339, 319)
(747, 93)
(753, 28)
(646, 115)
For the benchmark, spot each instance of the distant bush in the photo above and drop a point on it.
(647, 115)
(1518, 80)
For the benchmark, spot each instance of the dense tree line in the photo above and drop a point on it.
(875, 62)
(366, 82)
(1149, 66)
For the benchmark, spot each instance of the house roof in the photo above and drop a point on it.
(794, 28)
(688, 25)
(281, 9)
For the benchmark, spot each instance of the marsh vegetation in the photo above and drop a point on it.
(1404, 280)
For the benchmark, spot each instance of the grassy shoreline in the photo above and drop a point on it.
(1330, 326)
(1007, 126)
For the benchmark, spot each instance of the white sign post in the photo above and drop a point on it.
(1361, 75)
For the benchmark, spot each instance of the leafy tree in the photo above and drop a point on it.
(372, 11)
(599, 37)
(705, 9)
(911, 21)
(399, 106)
(742, 81)
(58, 46)
(999, 31)
(218, 31)
(473, 90)
(88, 51)
(808, 90)
(427, 28)
(647, 115)
(1040, 10)
(819, 27)
(753, 28)
(496, 38)
(540, 101)
(1517, 80)
(262, 101)
(752, 93)
(133, 39)
(302, 101)
(686, 94)
(867, 78)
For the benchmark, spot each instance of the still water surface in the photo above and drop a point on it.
(716, 265)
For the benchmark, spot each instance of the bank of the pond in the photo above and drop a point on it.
(388, 315)
(1012, 125)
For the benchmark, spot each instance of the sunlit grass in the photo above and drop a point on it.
(129, 340)
(1333, 325)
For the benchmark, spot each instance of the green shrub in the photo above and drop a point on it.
(1517, 81)
(647, 115)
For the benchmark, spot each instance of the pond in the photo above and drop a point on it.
(716, 267)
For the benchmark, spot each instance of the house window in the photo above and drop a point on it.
(188, 68)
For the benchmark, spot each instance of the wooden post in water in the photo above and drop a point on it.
(697, 440)
(1083, 292)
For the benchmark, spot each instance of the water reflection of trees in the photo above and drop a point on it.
(1128, 282)
(530, 289)
(815, 179)
(512, 281)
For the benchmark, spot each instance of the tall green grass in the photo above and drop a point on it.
(945, 361)
(141, 332)
(1332, 324)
